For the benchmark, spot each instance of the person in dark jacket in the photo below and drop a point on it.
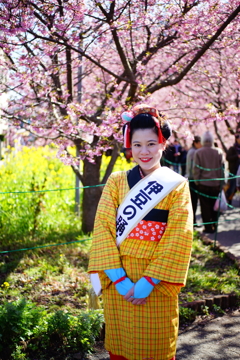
(177, 150)
(189, 169)
(233, 158)
(167, 158)
(183, 160)
(207, 172)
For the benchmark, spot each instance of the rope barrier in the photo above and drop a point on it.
(211, 197)
(83, 240)
(202, 194)
(43, 246)
(229, 178)
(206, 169)
(91, 186)
(214, 222)
(173, 163)
(182, 164)
(219, 212)
(40, 191)
(232, 176)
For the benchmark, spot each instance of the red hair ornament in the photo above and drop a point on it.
(129, 115)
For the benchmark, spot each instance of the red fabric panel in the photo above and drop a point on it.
(119, 357)
(148, 230)
(116, 357)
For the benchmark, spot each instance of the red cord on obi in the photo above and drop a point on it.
(119, 280)
(149, 280)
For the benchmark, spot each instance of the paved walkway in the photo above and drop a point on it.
(218, 338)
(207, 340)
(228, 233)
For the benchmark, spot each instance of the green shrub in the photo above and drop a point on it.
(186, 315)
(19, 322)
(218, 310)
(28, 330)
(77, 333)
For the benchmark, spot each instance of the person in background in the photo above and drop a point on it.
(196, 144)
(142, 274)
(233, 158)
(177, 150)
(208, 163)
(183, 159)
(167, 157)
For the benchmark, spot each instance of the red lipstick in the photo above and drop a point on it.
(145, 160)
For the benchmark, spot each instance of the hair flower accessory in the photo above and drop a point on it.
(127, 116)
(145, 109)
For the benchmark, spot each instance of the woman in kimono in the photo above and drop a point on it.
(142, 274)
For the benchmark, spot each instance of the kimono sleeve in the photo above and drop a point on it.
(171, 258)
(104, 253)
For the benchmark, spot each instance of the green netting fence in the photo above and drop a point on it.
(232, 176)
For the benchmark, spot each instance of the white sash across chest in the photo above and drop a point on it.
(143, 197)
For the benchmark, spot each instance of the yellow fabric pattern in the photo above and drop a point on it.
(147, 331)
(169, 258)
(141, 332)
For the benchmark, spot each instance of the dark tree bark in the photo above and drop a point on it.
(91, 195)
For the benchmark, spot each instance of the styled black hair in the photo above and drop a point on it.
(142, 121)
(196, 139)
(166, 129)
(147, 121)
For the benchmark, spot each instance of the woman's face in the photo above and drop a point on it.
(146, 150)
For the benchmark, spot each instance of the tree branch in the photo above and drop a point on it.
(125, 62)
(200, 53)
(115, 154)
(166, 70)
(79, 51)
(77, 173)
(69, 74)
(219, 136)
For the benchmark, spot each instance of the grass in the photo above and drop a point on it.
(211, 273)
(29, 217)
(56, 277)
(53, 276)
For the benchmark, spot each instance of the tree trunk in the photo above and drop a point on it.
(91, 196)
(219, 136)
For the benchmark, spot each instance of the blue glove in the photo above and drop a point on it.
(116, 274)
(143, 287)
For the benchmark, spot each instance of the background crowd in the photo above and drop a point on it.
(205, 165)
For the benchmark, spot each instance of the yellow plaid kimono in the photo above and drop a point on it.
(147, 331)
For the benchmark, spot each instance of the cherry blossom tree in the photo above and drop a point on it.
(74, 67)
(211, 94)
